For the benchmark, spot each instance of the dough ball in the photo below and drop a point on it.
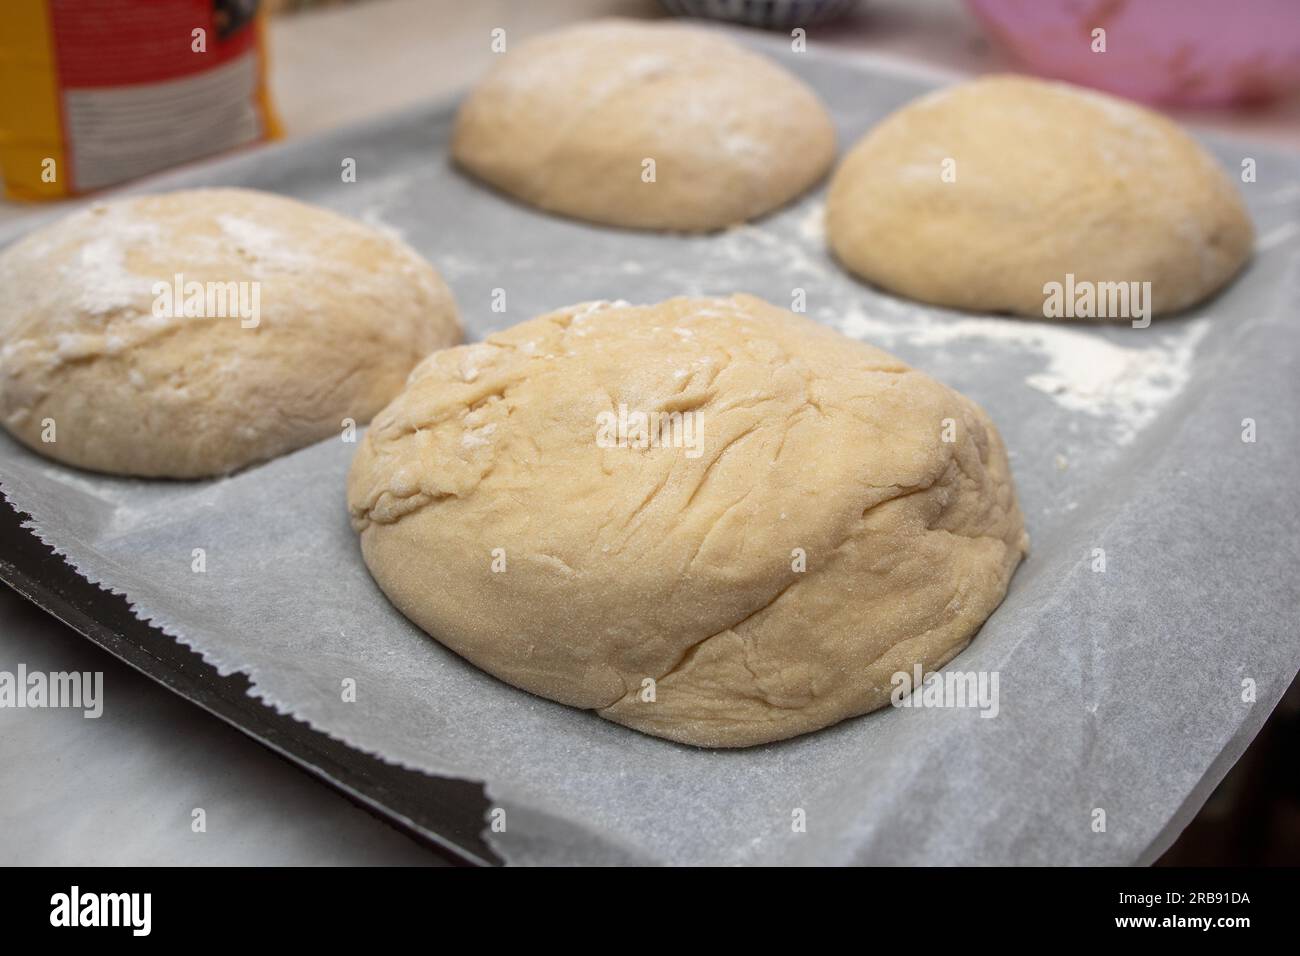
(802, 532)
(288, 320)
(566, 122)
(1050, 180)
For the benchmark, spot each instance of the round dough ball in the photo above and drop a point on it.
(566, 122)
(803, 533)
(1050, 180)
(305, 318)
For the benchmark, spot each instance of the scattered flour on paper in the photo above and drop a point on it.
(1285, 193)
(812, 224)
(751, 245)
(373, 217)
(1083, 373)
(1276, 237)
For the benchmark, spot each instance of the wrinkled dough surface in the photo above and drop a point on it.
(624, 564)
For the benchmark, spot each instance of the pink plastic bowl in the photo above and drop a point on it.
(1184, 52)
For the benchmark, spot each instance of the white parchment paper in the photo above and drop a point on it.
(1119, 691)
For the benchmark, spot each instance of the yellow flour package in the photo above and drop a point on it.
(97, 92)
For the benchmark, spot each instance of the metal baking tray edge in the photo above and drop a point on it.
(443, 814)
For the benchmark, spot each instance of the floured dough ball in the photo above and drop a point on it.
(783, 531)
(979, 195)
(192, 333)
(572, 121)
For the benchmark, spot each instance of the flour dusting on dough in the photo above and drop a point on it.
(98, 271)
(264, 245)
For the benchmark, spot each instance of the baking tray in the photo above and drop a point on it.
(394, 155)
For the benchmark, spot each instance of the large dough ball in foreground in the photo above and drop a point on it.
(496, 515)
(566, 121)
(305, 318)
(1050, 180)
